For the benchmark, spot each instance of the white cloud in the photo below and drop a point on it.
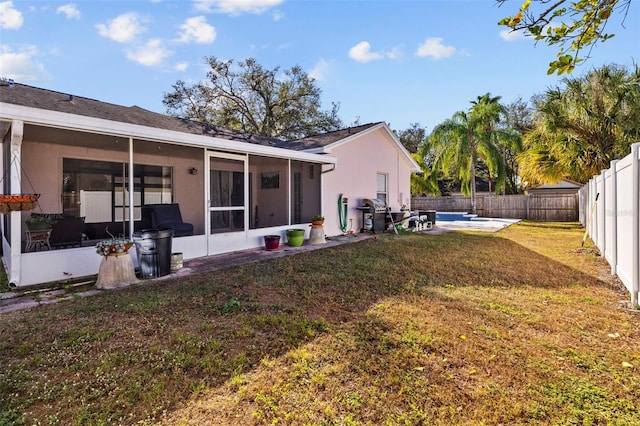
(361, 52)
(10, 18)
(181, 66)
(122, 28)
(196, 29)
(151, 54)
(509, 35)
(235, 7)
(434, 48)
(22, 66)
(320, 70)
(277, 15)
(70, 11)
(395, 53)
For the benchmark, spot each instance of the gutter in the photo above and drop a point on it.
(101, 126)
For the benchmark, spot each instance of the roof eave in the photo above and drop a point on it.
(414, 167)
(68, 121)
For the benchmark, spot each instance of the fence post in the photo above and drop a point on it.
(613, 207)
(600, 213)
(635, 191)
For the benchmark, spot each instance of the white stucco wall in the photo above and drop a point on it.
(359, 161)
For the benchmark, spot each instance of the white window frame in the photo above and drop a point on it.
(384, 193)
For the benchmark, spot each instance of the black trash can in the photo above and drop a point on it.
(153, 247)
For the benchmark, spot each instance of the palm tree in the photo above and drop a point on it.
(580, 128)
(460, 141)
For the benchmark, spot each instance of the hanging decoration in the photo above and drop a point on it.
(17, 202)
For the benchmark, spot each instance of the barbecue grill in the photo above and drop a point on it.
(374, 212)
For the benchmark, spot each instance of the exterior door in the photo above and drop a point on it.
(228, 218)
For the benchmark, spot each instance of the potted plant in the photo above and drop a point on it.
(317, 220)
(38, 223)
(115, 270)
(295, 237)
(114, 246)
(271, 242)
(16, 202)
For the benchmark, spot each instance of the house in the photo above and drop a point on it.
(564, 186)
(372, 164)
(103, 164)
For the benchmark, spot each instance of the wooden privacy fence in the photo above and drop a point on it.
(536, 207)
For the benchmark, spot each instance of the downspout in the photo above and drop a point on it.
(15, 185)
(322, 172)
(330, 170)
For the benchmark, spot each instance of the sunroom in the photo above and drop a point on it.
(231, 188)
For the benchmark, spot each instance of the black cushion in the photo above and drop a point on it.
(157, 216)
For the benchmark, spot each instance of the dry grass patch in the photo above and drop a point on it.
(517, 327)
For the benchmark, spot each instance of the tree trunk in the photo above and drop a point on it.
(473, 184)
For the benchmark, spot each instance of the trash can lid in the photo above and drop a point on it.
(165, 232)
(146, 233)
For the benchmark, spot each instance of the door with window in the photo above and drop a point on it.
(227, 213)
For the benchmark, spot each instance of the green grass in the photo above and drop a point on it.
(520, 327)
(4, 281)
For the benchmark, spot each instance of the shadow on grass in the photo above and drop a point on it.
(369, 331)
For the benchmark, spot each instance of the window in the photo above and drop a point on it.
(381, 187)
(98, 191)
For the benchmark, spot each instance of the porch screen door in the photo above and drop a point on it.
(227, 193)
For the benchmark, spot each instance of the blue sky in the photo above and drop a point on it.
(397, 61)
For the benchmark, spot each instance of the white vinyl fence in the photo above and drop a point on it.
(610, 210)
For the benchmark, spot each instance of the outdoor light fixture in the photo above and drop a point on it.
(193, 171)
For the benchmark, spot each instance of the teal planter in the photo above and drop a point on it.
(295, 237)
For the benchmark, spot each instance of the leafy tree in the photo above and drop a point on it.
(253, 99)
(518, 121)
(573, 25)
(460, 141)
(412, 137)
(581, 127)
(420, 184)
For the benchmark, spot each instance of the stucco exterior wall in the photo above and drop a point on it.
(359, 161)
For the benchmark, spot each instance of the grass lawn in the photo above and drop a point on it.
(521, 327)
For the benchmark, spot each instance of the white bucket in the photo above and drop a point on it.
(176, 262)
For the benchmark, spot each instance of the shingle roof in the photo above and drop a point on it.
(34, 97)
(325, 139)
